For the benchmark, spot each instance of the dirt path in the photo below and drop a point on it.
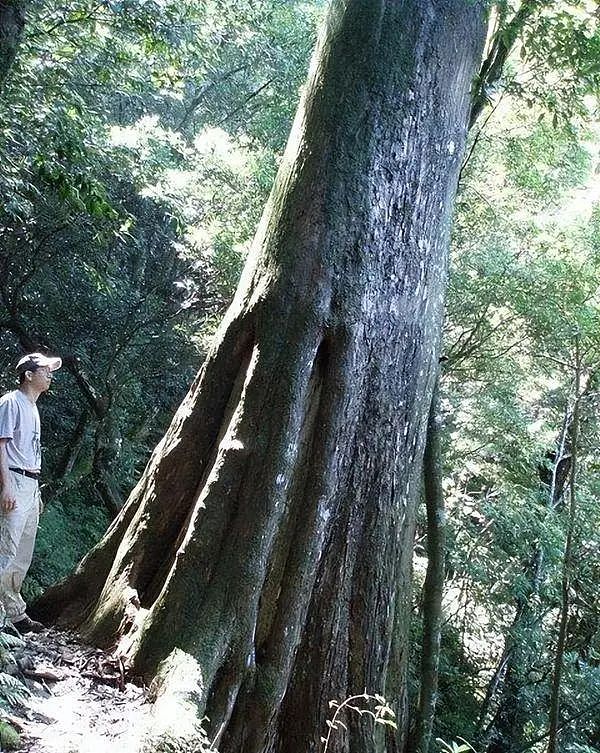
(79, 701)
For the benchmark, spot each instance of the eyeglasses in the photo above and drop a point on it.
(43, 369)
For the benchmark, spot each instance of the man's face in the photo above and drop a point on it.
(41, 379)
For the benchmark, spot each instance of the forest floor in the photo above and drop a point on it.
(79, 699)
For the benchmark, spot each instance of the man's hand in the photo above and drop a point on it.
(8, 500)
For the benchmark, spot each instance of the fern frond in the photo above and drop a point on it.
(8, 640)
(12, 690)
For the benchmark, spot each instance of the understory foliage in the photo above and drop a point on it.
(524, 289)
(12, 690)
(139, 142)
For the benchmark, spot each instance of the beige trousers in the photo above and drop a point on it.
(18, 529)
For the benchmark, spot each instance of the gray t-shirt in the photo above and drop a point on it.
(20, 423)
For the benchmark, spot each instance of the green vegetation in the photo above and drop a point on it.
(139, 144)
(524, 287)
(131, 195)
(12, 690)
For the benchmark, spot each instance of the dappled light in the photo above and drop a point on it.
(300, 350)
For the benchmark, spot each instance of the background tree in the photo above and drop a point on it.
(570, 29)
(12, 21)
(531, 288)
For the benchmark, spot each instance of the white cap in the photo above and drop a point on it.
(33, 361)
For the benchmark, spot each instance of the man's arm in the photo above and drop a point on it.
(8, 499)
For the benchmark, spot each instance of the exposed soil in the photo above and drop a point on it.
(80, 701)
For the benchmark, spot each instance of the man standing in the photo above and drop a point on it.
(20, 466)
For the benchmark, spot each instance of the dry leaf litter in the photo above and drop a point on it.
(80, 700)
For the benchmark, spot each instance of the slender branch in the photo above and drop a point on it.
(434, 580)
(476, 139)
(64, 21)
(560, 727)
(493, 65)
(197, 100)
(567, 566)
(250, 97)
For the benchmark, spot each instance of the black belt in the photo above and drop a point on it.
(23, 472)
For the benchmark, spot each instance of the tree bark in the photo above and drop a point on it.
(69, 458)
(434, 580)
(12, 23)
(270, 537)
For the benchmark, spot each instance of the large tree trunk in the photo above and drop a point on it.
(271, 535)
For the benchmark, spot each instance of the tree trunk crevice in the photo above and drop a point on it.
(150, 593)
